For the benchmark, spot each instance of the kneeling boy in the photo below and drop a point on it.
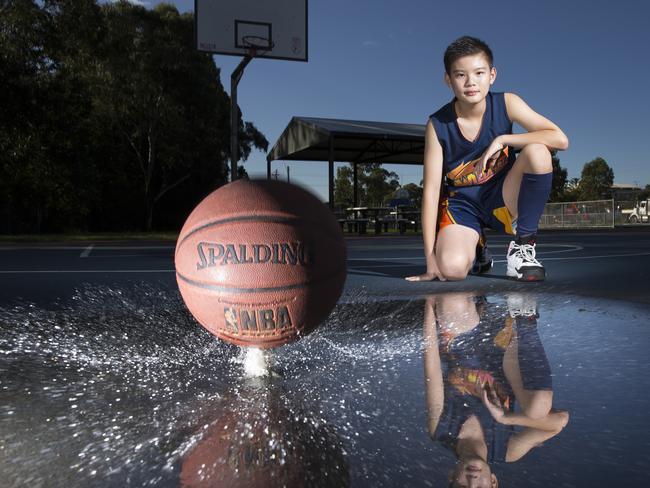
(470, 141)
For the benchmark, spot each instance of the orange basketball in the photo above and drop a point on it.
(260, 263)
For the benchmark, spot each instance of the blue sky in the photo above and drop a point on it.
(581, 63)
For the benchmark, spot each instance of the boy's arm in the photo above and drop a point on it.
(540, 129)
(522, 442)
(434, 386)
(431, 194)
(536, 431)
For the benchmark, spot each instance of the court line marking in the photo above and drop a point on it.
(504, 260)
(113, 256)
(355, 267)
(86, 251)
(572, 247)
(603, 256)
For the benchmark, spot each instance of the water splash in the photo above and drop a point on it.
(256, 362)
(119, 384)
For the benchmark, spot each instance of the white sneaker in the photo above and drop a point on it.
(522, 264)
(522, 305)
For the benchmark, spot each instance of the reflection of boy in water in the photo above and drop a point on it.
(477, 365)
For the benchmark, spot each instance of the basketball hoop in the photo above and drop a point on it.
(257, 44)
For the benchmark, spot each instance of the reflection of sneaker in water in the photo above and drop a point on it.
(483, 259)
(522, 264)
(522, 305)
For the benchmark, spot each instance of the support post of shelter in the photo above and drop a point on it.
(234, 116)
(331, 174)
(268, 169)
(355, 194)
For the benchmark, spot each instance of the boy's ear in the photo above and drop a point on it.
(493, 74)
(447, 80)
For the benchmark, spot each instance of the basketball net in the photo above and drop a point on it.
(257, 46)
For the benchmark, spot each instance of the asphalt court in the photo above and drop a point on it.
(608, 264)
(107, 380)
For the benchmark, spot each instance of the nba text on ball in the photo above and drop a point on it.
(240, 320)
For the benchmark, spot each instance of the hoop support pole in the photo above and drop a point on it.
(234, 115)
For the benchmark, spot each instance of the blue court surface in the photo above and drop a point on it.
(107, 380)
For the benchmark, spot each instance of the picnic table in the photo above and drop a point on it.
(357, 219)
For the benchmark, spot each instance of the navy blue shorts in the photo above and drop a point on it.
(477, 207)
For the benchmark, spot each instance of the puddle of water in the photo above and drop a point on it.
(122, 387)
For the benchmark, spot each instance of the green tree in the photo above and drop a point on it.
(415, 194)
(378, 183)
(242, 174)
(571, 191)
(596, 180)
(375, 185)
(165, 101)
(109, 117)
(559, 179)
(43, 124)
(343, 190)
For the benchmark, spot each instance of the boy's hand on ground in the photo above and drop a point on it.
(490, 153)
(432, 272)
(424, 277)
(493, 404)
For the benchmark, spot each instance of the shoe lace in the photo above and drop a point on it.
(520, 306)
(529, 311)
(527, 253)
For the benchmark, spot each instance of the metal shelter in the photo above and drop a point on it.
(353, 141)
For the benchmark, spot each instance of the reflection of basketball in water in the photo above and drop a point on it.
(259, 263)
(265, 441)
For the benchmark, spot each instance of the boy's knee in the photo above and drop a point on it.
(454, 267)
(539, 157)
(539, 404)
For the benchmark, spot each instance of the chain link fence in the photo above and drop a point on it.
(592, 214)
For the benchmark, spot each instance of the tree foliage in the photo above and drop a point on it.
(596, 180)
(111, 118)
(343, 190)
(559, 179)
(571, 191)
(375, 185)
(415, 194)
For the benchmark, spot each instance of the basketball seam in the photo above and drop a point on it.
(229, 289)
(256, 218)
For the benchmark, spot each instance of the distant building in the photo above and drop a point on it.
(625, 192)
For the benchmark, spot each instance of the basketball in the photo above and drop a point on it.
(260, 263)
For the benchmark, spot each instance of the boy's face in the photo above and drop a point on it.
(473, 473)
(470, 78)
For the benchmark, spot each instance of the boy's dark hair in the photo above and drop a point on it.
(466, 46)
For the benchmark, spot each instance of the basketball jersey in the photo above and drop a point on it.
(460, 156)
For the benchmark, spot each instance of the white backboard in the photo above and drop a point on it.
(231, 26)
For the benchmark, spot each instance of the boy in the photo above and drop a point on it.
(471, 140)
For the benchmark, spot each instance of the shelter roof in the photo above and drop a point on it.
(308, 139)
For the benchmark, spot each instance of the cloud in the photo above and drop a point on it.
(369, 43)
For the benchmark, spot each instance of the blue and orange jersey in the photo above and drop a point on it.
(460, 156)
